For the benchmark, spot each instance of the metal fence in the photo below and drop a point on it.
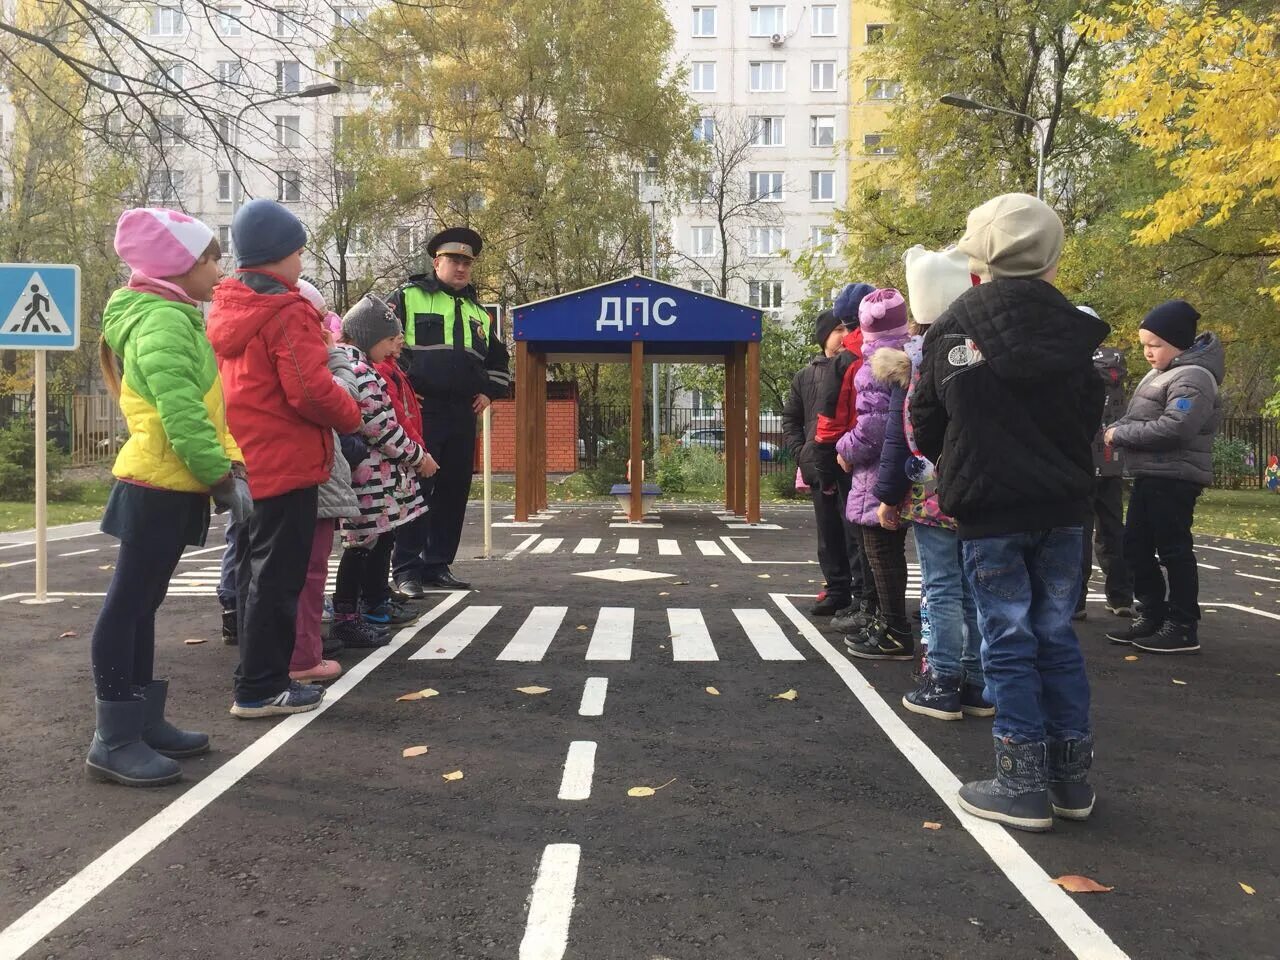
(88, 428)
(1243, 448)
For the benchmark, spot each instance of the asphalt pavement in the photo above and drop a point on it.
(794, 809)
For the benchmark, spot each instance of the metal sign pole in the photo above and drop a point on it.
(487, 445)
(42, 431)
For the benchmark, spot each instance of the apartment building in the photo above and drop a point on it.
(871, 94)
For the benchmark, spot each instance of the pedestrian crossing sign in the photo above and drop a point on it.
(39, 306)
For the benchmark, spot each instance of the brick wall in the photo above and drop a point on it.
(562, 437)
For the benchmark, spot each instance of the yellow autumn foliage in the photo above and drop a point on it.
(1200, 89)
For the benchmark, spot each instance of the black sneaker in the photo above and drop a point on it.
(230, 629)
(973, 703)
(886, 644)
(1140, 629)
(937, 698)
(1172, 637)
(828, 606)
(357, 634)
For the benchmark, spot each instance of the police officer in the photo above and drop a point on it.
(457, 365)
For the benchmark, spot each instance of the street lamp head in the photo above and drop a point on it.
(964, 103)
(319, 90)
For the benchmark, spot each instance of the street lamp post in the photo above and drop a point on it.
(307, 93)
(652, 195)
(965, 103)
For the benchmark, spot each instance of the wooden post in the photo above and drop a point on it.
(540, 386)
(524, 482)
(753, 432)
(730, 429)
(636, 513)
(744, 455)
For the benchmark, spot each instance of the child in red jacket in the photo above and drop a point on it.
(282, 406)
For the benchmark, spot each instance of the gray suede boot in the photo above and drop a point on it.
(118, 753)
(162, 736)
(1018, 797)
(1068, 773)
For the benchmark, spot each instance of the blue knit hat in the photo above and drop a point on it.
(847, 302)
(263, 232)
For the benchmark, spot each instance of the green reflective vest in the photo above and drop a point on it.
(442, 321)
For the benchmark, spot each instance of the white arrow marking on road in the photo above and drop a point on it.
(531, 641)
(546, 936)
(611, 639)
(690, 641)
(593, 693)
(766, 636)
(454, 637)
(579, 767)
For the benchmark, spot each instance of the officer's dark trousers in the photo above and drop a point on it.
(839, 553)
(426, 547)
(1104, 531)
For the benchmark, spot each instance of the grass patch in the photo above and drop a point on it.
(69, 502)
(1244, 514)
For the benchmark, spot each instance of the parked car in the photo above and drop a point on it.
(713, 437)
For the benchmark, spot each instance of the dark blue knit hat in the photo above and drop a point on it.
(847, 302)
(1174, 322)
(263, 232)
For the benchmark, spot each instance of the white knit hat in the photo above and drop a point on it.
(160, 243)
(934, 281)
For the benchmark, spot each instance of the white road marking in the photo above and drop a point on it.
(1207, 566)
(549, 545)
(753, 526)
(454, 637)
(690, 641)
(709, 548)
(587, 545)
(668, 548)
(738, 552)
(518, 525)
(766, 636)
(628, 545)
(1243, 609)
(628, 525)
(522, 546)
(78, 553)
(531, 641)
(1240, 553)
(60, 905)
(16, 563)
(611, 639)
(220, 548)
(546, 935)
(1256, 576)
(593, 694)
(579, 767)
(1082, 936)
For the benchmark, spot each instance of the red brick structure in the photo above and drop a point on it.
(562, 432)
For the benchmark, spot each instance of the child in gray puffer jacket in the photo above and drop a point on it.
(1167, 438)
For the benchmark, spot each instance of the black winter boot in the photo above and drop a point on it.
(1137, 629)
(1172, 637)
(162, 736)
(1018, 797)
(937, 697)
(1068, 771)
(118, 753)
(230, 630)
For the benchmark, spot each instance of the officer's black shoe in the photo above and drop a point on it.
(409, 589)
(1172, 637)
(829, 605)
(1137, 630)
(449, 581)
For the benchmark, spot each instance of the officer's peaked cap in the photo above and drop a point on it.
(461, 241)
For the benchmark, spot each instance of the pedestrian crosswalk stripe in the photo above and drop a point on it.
(690, 640)
(628, 545)
(456, 635)
(587, 545)
(534, 637)
(612, 637)
(549, 545)
(766, 636)
(710, 548)
(668, 548)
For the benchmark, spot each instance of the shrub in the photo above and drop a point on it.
(18, 461)
(1230, 467)
(782, 484)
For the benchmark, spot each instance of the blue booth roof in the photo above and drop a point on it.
(669, 319)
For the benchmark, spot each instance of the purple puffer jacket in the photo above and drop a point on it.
(861, 446)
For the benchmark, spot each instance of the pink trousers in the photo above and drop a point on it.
(308, 646)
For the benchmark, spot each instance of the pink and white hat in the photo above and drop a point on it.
(160, 243)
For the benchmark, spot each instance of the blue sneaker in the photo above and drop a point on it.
(387, 613)
(296, 698)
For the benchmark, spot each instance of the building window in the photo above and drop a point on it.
(766, 131)
(703, 187)
(765, 294)
(346, 16)
(288, 186)
(875, 145)
(286, 22)
(883, 89)
(288, 76)
(704, 21)
(766, 21)
(404, 136)
(822, 131)
(877, 33)
(822, 185)
(224, 239)
(822, 20)
(227, 22)
(823, 241)
(703, 76)
(704, 241)
(765, 241)
(169, 75)
(766, 187)
(230, 72)
(165, 186)
(822, 76)
(766, 76)
(288, 135)
(171, 129)
(339, 129)
(167, 22)
(405, 245)
(226, 186)
(704, 129)
(703, 286)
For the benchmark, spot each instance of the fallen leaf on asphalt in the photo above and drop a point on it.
(533, 691)
(582, 626)
(1181, 683)
(191, 640)
(786, 695)
(713, 691)
(419, 695)
(107, 566)
(1073, 883)
(664, 593)
(441, 650)
(1131, 657)
(67, 633)
(1247, 889)
(456, 775)
(931, 825)
(648, 791)
(413, 751)
(762, 576)
(680, 583)
(715, 585)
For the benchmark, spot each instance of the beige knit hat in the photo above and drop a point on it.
(1013, 235)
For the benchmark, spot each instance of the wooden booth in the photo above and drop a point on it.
(634, 320)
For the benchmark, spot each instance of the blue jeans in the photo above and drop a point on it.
(1025, 585)
(227, 581)
(953, 616)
